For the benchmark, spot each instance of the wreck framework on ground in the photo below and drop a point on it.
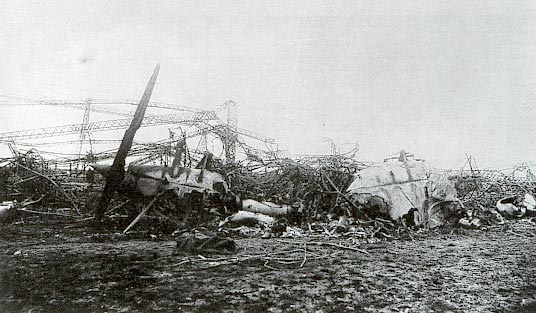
(323, 187)
(318, 184)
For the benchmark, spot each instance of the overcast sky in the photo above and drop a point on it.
(437, 78)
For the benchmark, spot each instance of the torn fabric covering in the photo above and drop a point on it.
(404, 185)
(401, 185)
(189, 181)
(180, 179)
(149, 180)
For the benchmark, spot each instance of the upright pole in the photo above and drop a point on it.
(117, 171)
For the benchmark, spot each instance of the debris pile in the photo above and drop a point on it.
(490, 197)
(32, 180)
(303, 189)
(326, 195)
(266, 194)
(199, 242)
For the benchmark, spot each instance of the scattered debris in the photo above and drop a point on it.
(199, 242)
(506, 206)
(286, 198)
(266, 208)
(530, 204)
(264, 195)
(248, 218)
(7, 211)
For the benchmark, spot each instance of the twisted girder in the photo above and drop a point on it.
(153, 120)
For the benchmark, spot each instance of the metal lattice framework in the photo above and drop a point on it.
(206, 122)
(185, 118)
(81, 105)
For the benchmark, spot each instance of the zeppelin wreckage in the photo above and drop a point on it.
(235, 187)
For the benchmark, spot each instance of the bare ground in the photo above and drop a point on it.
(45, 267)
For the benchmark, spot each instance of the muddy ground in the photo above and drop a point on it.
(46, 265)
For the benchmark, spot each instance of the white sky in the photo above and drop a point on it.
(437, 78)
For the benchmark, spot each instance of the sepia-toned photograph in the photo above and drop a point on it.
(267, 156)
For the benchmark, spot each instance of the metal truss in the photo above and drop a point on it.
(153, 120)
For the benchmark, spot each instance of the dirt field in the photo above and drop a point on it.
(46, 267)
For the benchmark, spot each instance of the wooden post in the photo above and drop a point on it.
(117, 171)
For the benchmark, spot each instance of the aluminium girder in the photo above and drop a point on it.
(186, 118)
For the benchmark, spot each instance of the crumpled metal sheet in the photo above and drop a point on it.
(403, 186)
(179, 179)
(400, 184)
(149, 180)
(440, 188)
(389, 173)
(189, 180)
(400, 198)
